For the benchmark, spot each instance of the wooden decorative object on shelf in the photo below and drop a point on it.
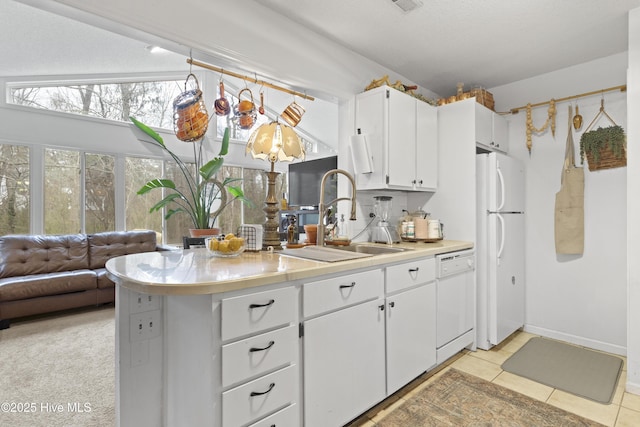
(483, 97)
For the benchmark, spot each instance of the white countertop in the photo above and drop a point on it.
(195, 272)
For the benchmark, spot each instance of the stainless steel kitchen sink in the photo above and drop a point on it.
(371, 249)
(340, 253)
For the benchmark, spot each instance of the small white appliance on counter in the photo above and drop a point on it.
(500, 248)
(455, 307)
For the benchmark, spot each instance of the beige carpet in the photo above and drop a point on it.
(460, 399)
(567, 367)
(59, 370)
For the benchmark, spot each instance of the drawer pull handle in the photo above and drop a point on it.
(254, 349)
(262, 305)
(414, 270)
(260, 393)
(392, 304)
(381, 307)
(348, 286)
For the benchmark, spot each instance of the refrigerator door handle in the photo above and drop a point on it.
(501, 247)
(502, 195)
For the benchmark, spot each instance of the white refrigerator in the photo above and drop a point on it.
(500, 254)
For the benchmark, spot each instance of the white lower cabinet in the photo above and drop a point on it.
(343, 364)
(259, 397)
(360, 346)
(411, 335)
(260, 375)
(287, 417)
(343, 347)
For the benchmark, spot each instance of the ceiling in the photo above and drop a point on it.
(442, 42)
(478, 42)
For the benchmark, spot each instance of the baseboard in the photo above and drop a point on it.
(633, 388)
(573, 339)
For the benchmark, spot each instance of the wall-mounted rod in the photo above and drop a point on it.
(249, 79)
(621, 88)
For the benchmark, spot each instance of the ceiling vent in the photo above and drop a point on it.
(407, 5)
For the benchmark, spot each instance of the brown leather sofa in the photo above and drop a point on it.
(46, 273)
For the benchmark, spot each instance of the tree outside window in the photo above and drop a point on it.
(14, 189)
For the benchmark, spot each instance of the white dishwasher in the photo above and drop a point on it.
(455, 296)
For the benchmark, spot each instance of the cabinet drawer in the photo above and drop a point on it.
(410, 273)
(330, 294)
(257, 312)
(256, 355)
(253, 400)
(287, 417)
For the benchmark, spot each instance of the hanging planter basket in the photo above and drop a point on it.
(604, 148)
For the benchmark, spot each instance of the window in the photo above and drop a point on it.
(137, 172)
(149, 101)
(61, 192)
(14, 189)
(99, 193)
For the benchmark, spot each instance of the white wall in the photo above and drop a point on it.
(633, 206)
(580, 299)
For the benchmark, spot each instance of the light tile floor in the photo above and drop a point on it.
(624, 411)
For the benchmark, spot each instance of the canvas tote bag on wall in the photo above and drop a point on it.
(569, 212)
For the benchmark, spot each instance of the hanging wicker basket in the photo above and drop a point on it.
(244, 112)
(604, 148)
(190, 117)
(605, 158)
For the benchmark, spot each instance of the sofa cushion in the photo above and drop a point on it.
(103, 279)
(104, 246)
(21, 255)
(39, 285)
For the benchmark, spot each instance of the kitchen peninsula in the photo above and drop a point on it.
(266, 338)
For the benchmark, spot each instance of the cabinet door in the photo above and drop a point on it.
(371, 121)
(500, 133)
(426, 146)
(343, 364)
(484, 126)
(411, 335)
(401, 139)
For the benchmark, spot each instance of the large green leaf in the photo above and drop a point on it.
(224, 148)
(164, 202)
(211, 168)
(146, 129)
(235, 191)
(229, 180)
(157, 183)
(171, 212)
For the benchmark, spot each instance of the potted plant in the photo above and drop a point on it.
(202, 191)
(604, 147)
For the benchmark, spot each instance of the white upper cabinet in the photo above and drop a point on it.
(491, 130)
(401, 134)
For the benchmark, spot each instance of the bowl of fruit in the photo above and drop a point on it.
(225, 246)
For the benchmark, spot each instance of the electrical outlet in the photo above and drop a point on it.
(144, 326)
(144, 302)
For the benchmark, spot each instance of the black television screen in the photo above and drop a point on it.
(305, 178)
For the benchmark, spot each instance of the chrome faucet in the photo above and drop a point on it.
(322, 207)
